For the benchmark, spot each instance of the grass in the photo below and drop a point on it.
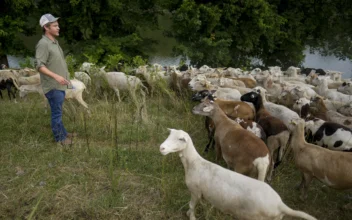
(115, 170)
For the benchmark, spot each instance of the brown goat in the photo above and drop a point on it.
(233, 109)
(244, 152)
(276, 131)
(250, 83)
(330, 167)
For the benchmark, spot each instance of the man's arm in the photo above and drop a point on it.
(58, 78)
(41, 57)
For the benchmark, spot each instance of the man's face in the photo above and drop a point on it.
(53, 29)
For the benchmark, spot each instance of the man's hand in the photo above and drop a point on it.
(61, 80)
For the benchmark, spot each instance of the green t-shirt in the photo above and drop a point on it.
(48, 53)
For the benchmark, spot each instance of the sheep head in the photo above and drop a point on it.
(175, 142)
(206, 108)
(199, 96)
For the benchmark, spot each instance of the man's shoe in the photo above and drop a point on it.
(71, 135)
(67, 141)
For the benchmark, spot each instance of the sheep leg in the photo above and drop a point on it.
(273, 146)
(306, 180)
(118, 94)
(192, 204)
(218, 152)
(283, 144)
(81, 101)
(1, 95)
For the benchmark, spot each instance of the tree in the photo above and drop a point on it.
(231, 32)
(14, 22)
(97, 29)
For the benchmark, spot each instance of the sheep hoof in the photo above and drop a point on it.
(190, 214)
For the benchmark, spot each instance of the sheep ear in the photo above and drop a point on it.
(170, 129)
(213, 91)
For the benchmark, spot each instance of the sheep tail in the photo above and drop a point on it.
(288, 211)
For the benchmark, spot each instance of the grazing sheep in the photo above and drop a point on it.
(242, 150)
(330, 167)
(322, 89)
(253, 127)
(29, 80)
(233, 109)
(276, 131)
(346, 110)
(221, 93)
(330, 135)
(345, 88)
(152, 77)
(75, 93)
(249, 83)
(119, 81)
(318, 109)
(7, 84)
(301, 106)
(83, 77)
(240, 196)
(279, 111)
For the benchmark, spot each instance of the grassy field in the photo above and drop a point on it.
(115, 170)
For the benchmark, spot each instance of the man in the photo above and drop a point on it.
(54, 75)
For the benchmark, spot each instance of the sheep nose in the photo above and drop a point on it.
(162, 149)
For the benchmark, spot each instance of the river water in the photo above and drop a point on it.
(314, 60)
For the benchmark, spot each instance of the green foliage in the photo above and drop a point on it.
(12, 23)
(138, 61)
(216, 33)
(72, 65)
(27, 63)
(231, 32)
(113, 61)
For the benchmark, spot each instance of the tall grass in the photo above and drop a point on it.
(114, 170)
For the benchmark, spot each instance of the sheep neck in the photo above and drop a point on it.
(319, 111)
(218, 116)
(297, 139)
(189, 154)
(258, 104)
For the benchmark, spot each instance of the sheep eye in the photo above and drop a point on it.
(182, 139)
(252, 96)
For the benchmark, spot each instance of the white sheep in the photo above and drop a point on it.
(84, 77)
(283, 113)
(29, 80)
(73, 93)
(331, 94)
(119, 81)
(228, 191)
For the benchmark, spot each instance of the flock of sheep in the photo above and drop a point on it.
(254, 119)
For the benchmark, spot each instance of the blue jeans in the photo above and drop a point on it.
(56, 99)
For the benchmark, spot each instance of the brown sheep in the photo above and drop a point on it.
(233, 109)
(330, 167)
(276, 131)
(243, 152)
(250, 83)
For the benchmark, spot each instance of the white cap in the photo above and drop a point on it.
(46, 19)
